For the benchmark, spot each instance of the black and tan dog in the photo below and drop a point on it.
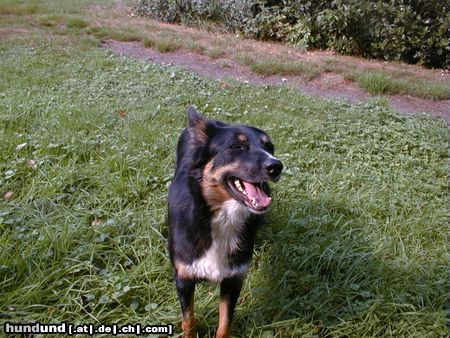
(216, 203)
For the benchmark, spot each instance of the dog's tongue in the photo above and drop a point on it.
(255, 192)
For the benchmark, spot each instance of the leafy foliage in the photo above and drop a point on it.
(413, 31)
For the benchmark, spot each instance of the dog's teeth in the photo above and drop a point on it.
(239, 187)
(238, 184)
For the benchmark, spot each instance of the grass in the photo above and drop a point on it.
(380, 82)
(77, 23)
(270, 66)
(194, 46)
(163, 44)
(50, 20)
(215, 53)
(377, 82)
(273, 67)
(9, 7)
(109, 23)
(119, 34)
(168, 41)
(355, 244)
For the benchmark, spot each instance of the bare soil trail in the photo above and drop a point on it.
(327, 85)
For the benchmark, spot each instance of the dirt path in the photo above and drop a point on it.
(328, 85)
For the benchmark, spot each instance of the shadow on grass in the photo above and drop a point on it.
(327, 269)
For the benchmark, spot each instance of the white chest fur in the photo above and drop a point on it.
(214, 264)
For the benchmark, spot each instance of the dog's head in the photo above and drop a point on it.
(237, 162)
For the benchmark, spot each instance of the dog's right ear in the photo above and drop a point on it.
(195, 119)
(197, 124)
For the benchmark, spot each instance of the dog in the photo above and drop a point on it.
(216, 204)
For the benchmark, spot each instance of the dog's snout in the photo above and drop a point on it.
(273, 167)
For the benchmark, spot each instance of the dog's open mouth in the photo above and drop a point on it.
(254, 195)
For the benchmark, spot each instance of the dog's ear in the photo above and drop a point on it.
(195, 119)
(198, 125)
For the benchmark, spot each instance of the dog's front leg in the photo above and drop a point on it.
(185, 291)
(230, 288)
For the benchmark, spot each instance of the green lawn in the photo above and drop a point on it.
(355, 244)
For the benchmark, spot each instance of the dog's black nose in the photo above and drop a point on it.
(273, 167)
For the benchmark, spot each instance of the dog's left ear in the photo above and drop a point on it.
(197, 124)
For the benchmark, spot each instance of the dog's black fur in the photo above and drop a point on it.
(216, 204)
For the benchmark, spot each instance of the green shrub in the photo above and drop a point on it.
(414, 31)
(411, 31)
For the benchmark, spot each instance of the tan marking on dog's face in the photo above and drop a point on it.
(215, 195)
(223, 330)
(208, 169)
(213, 185)
(216, 176)
(265, 139)
(242, 138)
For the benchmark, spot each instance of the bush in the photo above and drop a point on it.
(412, 31)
